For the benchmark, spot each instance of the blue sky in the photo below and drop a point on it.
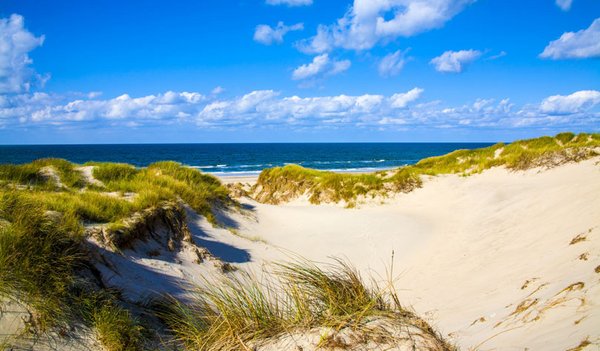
(297, 70)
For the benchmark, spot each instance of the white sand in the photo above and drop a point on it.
(464, 248)
(231, 179)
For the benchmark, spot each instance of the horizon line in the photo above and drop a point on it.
(275, 142)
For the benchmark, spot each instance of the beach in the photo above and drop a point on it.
(233, 179)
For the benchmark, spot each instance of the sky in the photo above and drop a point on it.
(188, 71)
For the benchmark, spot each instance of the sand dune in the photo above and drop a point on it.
(497, 261)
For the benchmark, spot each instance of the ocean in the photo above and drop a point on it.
(243, 159)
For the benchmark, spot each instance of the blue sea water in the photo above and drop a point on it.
(243, 159)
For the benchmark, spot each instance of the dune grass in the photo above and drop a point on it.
(40, 256)
(149, 187)
(32, 175)
(116, 328)
(162, 181)
(108, 172)
(44, 206)
(281, 184)
(244, 312)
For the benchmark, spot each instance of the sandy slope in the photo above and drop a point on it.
(486, 258)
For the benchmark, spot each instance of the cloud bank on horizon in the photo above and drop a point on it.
(369, 30)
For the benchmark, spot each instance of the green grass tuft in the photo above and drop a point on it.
(108, 172)
(243, 312)
(116, 329)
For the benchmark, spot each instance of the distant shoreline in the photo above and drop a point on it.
(231, 178)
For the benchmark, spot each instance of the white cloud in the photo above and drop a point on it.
(15, 44)
(53, 109)
(191, 107)
(267, 35)
(392, 64)
(392, 121)
(266, 109)
(290, 2)
(369, 22)
(575, 45)
(565, 5)
(401, 100)
(498, 55)
(340, 109)
(320, 66)
(237, 111)
(454, 61)
(580, 101)
(218, 90)
(339, 66)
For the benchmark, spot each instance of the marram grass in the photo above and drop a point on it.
(44, 206)
(244, 312)
(40, 255)
(280, 184)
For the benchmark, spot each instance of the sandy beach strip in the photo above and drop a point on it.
(232, 178)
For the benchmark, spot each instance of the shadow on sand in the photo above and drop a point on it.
(223, 251)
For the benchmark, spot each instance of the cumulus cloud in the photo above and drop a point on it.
(369, 22)
(565, 5)
(257, 107)
(340, 109)
(267, 108)
(575, 45)
(580, 101)
(392, 64)
(290, 2)
(401, 100)
(16, 42)
(57, 110)
(243, 107)
(454, 61)
(268, 35)
(320, 66)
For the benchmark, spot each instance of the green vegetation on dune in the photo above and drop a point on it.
(38, 255)
(41, 254)
(242, 313)
(160, 182)
(33, 174)
(44, 206)
(109, 172)
(281, 184)
(519, 155)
